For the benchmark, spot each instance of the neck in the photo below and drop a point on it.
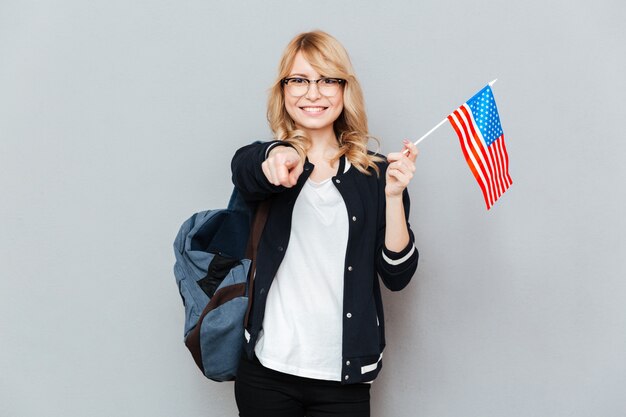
(323, 144)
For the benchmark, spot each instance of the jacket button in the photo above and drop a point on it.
(280, 249)
(350, 268)
(262, 291)
(337, 180)
(353, 218)
(349, 315)
(347, 363)
(347, 377)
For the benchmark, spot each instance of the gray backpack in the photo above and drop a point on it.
(214, 255)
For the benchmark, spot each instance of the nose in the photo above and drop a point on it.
(312, 92)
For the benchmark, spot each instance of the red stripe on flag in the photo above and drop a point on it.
(502, 174)
(506, 161)
(499, 161)
(474, 145)
(461, 132)
(497, 165)
(479, 145)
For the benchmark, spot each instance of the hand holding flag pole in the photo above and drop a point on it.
(477, 124)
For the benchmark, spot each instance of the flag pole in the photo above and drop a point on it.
(430, 131)
(441, 122)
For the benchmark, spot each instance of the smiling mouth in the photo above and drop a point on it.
(313, 109)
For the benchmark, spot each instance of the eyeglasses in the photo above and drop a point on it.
(297, 87)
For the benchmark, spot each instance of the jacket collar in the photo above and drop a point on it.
(308, 167)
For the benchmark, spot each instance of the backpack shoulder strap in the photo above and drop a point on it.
(258, 225)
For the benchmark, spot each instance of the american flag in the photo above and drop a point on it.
(477, 125)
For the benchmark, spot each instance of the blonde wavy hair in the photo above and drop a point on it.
(328, 57)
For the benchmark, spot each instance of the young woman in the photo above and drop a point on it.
(337, 221)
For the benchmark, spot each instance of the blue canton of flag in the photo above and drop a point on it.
(477, 124)
(484, 108)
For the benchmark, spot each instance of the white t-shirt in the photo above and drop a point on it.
(302, 326)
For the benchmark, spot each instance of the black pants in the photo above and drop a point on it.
(263, 392)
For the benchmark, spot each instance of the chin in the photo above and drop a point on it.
(316, 124)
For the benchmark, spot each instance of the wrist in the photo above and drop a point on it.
(277, 148)
(393, 198)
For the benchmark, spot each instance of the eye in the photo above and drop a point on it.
(330, 81)
(296, 81)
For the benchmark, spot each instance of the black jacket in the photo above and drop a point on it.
(366, 256)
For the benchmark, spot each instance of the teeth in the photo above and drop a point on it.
(313, 109)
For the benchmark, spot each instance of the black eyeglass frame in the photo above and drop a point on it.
(285, 81)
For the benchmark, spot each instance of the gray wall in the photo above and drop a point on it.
(118, 120)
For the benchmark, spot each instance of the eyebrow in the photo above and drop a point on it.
(298, 75)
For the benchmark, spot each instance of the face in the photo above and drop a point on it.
(312, 111)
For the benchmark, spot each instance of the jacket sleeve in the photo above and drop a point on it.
(247, 174)
(395, 268)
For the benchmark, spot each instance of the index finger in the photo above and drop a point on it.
(282, 174)
(410, 150)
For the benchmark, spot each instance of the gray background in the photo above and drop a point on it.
(118, 120)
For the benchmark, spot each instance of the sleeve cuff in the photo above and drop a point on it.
(275, 144)
(399, 258)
